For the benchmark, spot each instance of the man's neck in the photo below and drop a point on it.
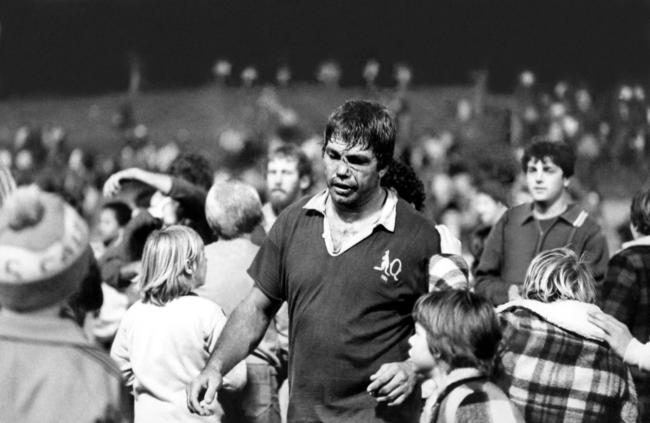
(543, 211)
(369, 208)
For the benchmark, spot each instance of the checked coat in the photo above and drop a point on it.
(556, 375)
(625, 294)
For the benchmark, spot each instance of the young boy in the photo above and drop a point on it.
(456, 338)
(49, 371)
(550, 221)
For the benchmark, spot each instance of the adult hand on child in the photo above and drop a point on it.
(449, 244)
(513, 293)
(617, 334)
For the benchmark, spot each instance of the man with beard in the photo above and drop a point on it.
(288, 177)
(350, 261)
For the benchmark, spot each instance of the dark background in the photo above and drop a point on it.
(82, 46)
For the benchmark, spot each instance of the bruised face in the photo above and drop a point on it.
(283, 182)
(353, 175)
(546, 181)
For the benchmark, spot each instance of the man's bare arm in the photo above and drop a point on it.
(243, 331)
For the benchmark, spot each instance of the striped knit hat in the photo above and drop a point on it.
(448, 271)
(44, 251)
(7, 184)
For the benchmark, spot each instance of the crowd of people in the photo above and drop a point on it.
(195, 294)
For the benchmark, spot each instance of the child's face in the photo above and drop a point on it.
(108, 227)
(419, 352)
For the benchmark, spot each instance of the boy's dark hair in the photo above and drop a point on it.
(365, 124)
(640, 211)
(561, 154)
(291, 151)
(121, 210)
(402, 178)
(194, 168)
(462, 328)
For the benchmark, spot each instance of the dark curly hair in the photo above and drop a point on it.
(194, 168)
(561, 154)
(403, 179)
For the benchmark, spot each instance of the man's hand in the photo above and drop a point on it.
(112, 184)
(617, 334)
(393, 382)
(202, 391)
(513, 293)
(449, 244)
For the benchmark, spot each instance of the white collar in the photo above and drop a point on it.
(644, 240)
(388, 211)
(567, 314)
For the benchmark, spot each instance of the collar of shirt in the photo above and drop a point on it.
(43, 330)
(570, 215)
(644, 240)
(387, 217)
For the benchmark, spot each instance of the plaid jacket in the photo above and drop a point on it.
(625, 294)
(554, 375)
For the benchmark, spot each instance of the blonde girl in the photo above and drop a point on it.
(165, 339)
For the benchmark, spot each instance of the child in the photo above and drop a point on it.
(165, 339)
(113, 218)
(457, 334)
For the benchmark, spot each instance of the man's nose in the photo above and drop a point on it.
(342, 168)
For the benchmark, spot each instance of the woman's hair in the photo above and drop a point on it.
(559, 274)
(170, 258)
(462, 328)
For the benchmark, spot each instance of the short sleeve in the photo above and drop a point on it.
(216, 323)
(266, 269)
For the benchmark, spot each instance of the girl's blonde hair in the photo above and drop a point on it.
(170, 259)
(559, 274)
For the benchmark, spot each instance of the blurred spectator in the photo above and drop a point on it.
(288, 177)
(46, 360)
(234, 210)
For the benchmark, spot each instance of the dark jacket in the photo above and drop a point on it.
(517, 238)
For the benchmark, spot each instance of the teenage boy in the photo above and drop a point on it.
(550, 221)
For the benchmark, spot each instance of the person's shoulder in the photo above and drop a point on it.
(406, 213)
(100, 360)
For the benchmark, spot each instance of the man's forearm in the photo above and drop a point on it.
(243, 331)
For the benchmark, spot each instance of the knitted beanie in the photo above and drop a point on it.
(44, 252)
(448, 271)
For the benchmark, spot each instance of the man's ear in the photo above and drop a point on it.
(566, 182)
(305, 183)
(382, 172)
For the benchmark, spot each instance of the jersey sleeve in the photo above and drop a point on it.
(267, 267)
